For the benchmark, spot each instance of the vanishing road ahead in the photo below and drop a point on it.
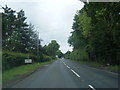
(69, 74)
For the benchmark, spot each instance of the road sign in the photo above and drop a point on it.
(28, 61)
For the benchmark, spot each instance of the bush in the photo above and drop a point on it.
(46, 58)
(79, 54)
(13, 59)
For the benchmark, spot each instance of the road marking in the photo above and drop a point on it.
(75, 73)
(91, 87)
(72, 70)
(68, 67)
(64, 64)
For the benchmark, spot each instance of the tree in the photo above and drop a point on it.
(18, 33)
(8, 26)
(59, 53)
(67, 55)
(96, 32)
(52, 48)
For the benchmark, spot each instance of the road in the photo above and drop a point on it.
(69, 74)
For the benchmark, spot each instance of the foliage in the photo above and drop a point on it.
(20, 40)
(79, 54)
(18, 33)
(96, 33)
(13, 59)
(59, 53)
(67, 55)
(52, 48)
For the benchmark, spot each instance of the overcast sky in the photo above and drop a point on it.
(52, 18)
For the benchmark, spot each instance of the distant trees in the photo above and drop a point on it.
(52, 48)
(59, 54)
(67, 55)
(96, 35)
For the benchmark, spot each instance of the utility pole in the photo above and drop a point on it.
(1, 9)
(0, 47)
(37, 43)
(88, 1)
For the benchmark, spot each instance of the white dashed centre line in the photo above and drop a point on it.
(64, 64)
(75, 73)
(91, 87)
(78, 75)
(72, 70)
(68, 67)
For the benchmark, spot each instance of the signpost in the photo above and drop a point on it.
(28, 61)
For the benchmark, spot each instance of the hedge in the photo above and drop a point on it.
(13, 59)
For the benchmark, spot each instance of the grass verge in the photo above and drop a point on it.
(115, 68)
(11, 74)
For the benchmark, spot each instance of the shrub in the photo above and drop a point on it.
(13, 59)
(79, 54)
(46, 58)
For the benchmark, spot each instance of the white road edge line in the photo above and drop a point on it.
(92, 87)
(75, 73)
